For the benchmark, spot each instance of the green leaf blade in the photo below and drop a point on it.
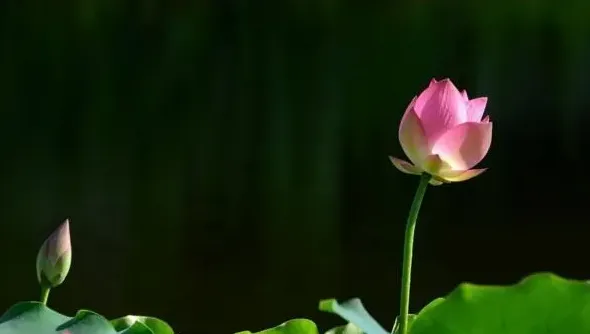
(350, 328)
(155, 325)
(541, 303)
(31, 317)
(87, 322)
(295, 326)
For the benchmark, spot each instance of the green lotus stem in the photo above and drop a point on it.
(408, 251)
(45, 294)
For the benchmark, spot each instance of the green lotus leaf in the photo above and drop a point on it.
(156, 326)
(295, 326)
(136, 328)
(36, 318)
(541, 303)
(31, 317)
(87, 322)
(350, 328)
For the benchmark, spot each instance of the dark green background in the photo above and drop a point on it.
(224, 163)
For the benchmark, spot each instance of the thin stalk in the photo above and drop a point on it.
(408, 252)
(45, 294)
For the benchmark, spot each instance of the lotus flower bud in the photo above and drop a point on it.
(444, 134)
(55, 257)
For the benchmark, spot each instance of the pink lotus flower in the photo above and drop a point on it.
(443, 134)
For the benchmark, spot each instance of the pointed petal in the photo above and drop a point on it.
(432, 82)
(405, 166)
(440, 107)
(486, 119)
(466, 175)
(464, 94)
(476, 108)
(435, 182)
(411, 136)
(465, 145)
